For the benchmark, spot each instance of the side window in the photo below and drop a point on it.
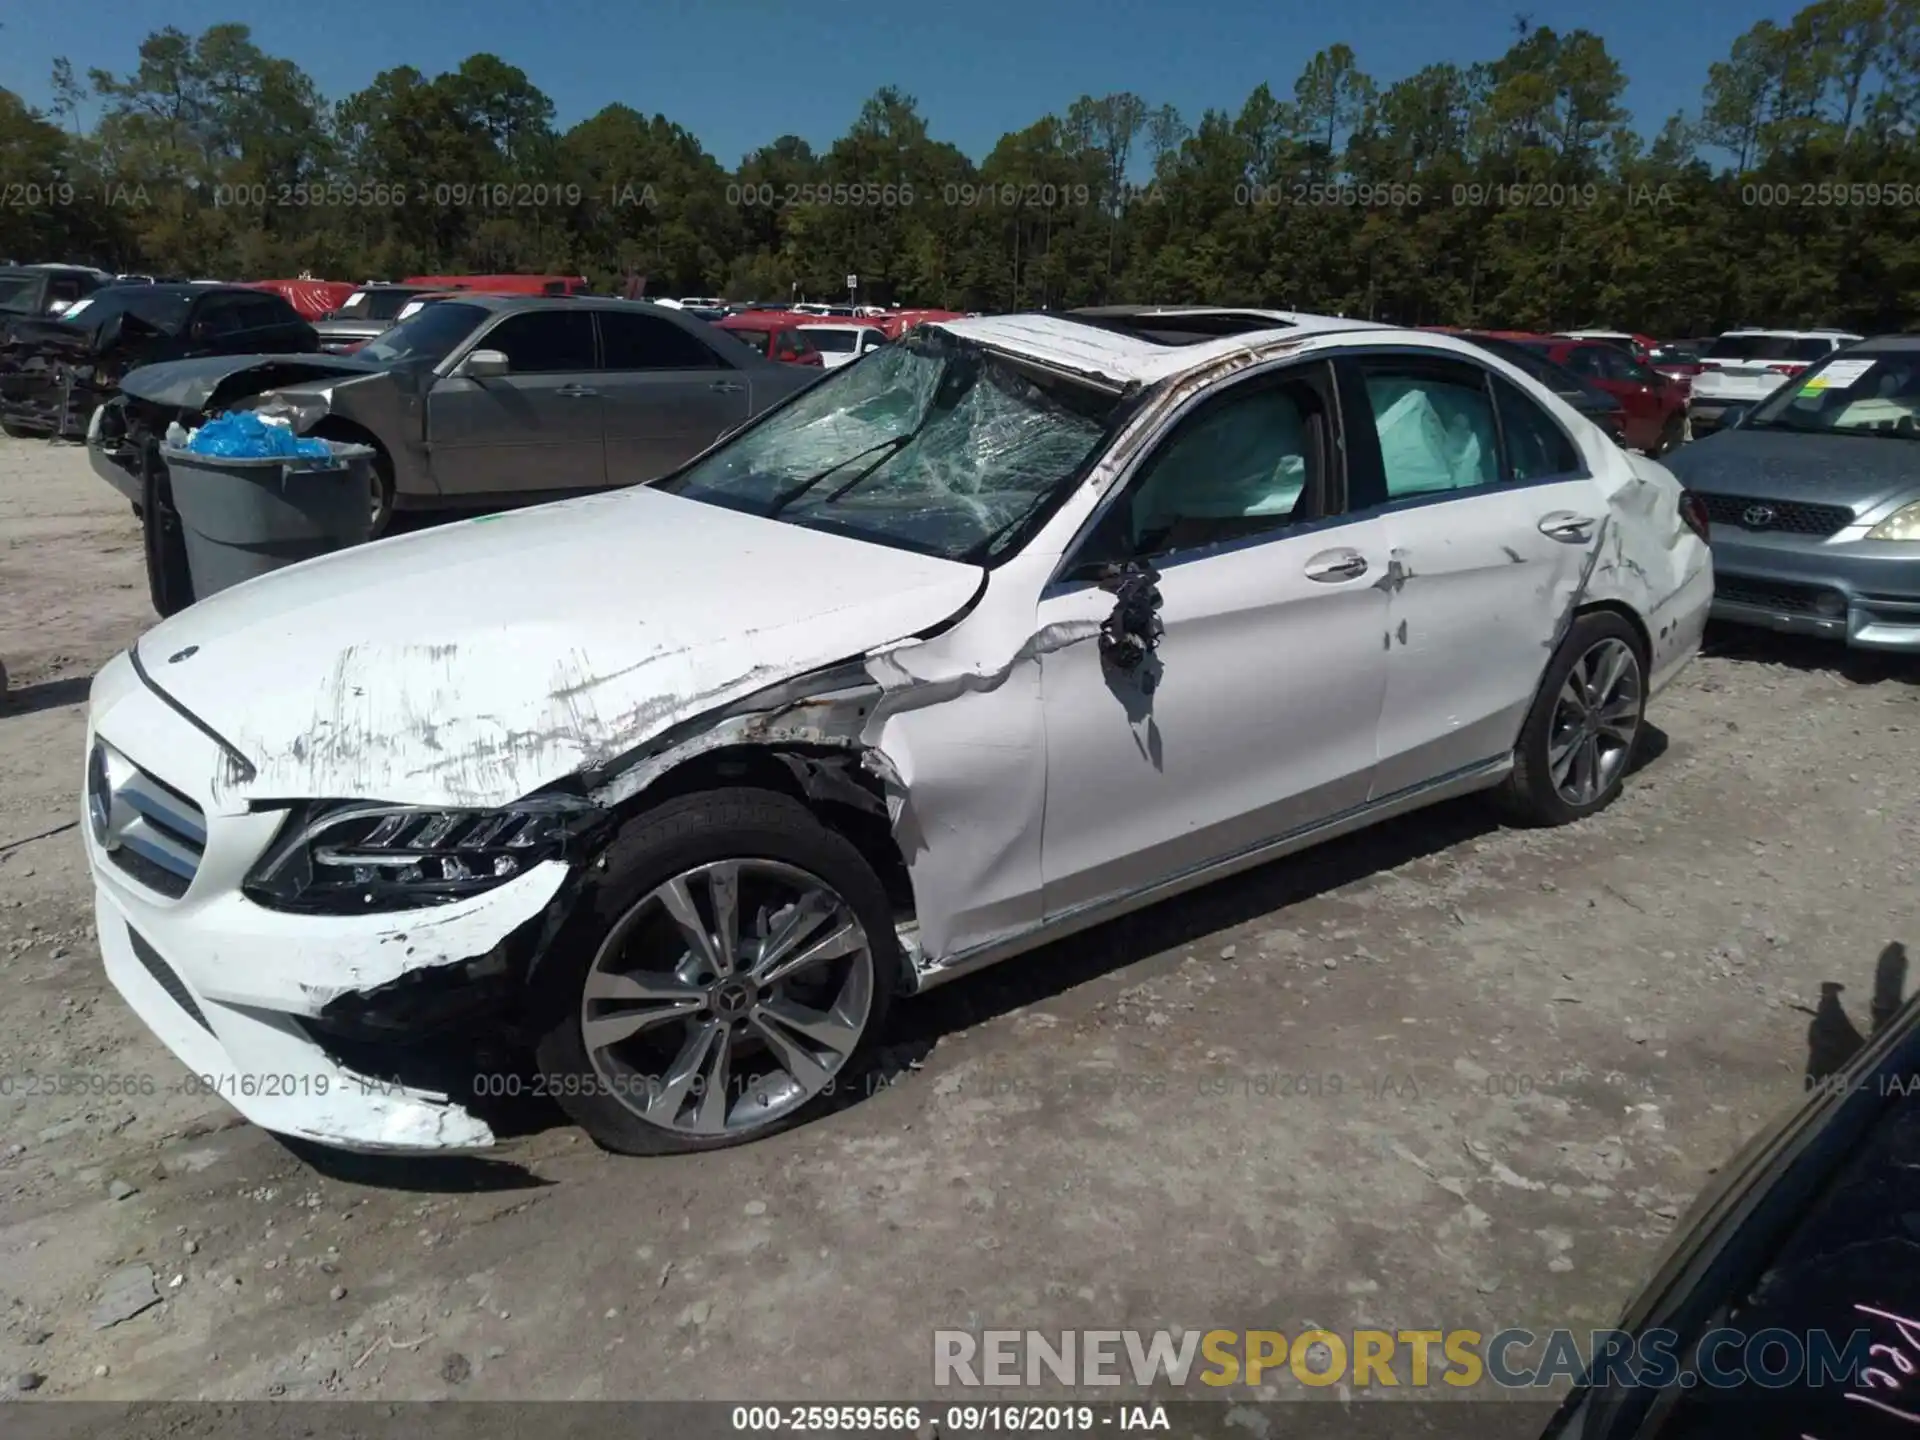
(645, 342)
(267, 312)
(755, 340)
(1435, 425)
(218, 315)
(1636, 372)
(1587, 360)
(1536, 447)
(543, 342)
(1251, 462)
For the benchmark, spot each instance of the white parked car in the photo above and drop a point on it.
(841, 344)
(1743, 367)
(1024, 623)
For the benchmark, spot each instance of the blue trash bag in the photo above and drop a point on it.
(243, 435)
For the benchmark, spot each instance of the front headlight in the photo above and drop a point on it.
(353, 857)
(1903, 524)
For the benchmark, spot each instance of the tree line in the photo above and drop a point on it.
(1512, 192)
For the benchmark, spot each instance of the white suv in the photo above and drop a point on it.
(1743, 367)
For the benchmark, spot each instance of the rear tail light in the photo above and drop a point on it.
(1786, 369)
(1693, 510)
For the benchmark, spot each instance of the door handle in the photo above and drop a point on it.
(727, 387)
(576, 392)
(1333, 566)
(1567, 527)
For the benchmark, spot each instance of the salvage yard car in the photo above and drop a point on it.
(843, 343)
(477, 401)
(54, 373)
(367, 313)
(1814, 500)
(1744, 367)
(1019, 624)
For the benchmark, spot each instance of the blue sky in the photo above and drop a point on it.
(739, 72)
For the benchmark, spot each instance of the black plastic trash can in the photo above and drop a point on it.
(245, 517)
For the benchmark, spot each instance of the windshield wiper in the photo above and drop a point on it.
(799, 488)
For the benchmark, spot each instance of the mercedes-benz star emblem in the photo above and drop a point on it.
(1758, 517)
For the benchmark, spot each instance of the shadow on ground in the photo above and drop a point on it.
(1804, 652)
(48, 695)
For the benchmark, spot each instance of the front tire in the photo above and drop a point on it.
(724, 973)
(380, 501)
(1580, 736)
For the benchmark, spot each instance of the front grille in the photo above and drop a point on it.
(1779, 595)
(163, 974)
(1791, 517)
(147, 829)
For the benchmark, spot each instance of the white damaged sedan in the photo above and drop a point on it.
(1010, 627)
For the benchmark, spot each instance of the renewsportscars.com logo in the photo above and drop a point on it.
(1512, 1359)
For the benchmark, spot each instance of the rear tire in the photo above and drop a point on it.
(642, 942)
(21, 432)
(1581, 734)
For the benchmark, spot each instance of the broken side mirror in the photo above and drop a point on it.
(1132, 632)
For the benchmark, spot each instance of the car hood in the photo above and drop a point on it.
(194, 384)
(1858, 471)
(474, 663)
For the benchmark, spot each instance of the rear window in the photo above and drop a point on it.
(1767, 347)
(164, 310)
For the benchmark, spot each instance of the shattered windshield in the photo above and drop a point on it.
(931, 444)
(1851, 394)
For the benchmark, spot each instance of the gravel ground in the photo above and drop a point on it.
(1444, 1074)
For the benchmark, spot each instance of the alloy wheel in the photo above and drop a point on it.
(1596, 719)
(727, 997)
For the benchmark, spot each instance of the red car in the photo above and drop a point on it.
(1656, 406)
(776, 334)
(1641, 347)
(311, 299)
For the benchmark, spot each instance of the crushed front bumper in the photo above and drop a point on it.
(1864, 593)
(48, 400)
(245, 996)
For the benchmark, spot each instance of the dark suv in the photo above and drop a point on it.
(55, 371)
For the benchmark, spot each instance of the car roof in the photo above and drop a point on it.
(1117, 344)
(56, 268)
(1887, 344)
(186, 288)
(1792, 334)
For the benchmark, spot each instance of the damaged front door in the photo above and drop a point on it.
(1243, 704)
(1493, 520)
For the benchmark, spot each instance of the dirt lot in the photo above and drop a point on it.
(1443, 1075)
